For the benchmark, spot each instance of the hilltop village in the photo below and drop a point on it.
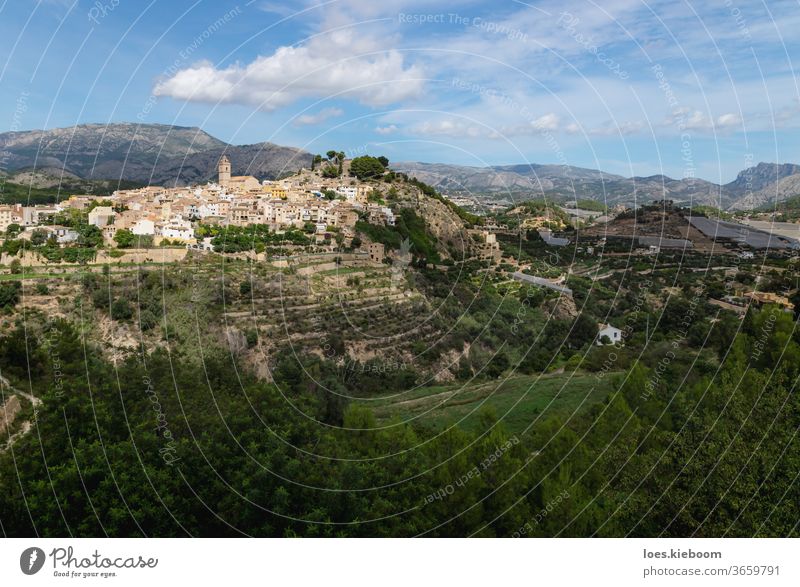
(306, 201)
(363, 210)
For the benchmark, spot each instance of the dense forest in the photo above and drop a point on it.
(170, 442)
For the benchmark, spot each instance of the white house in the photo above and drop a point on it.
(144, 226)
(347, 192)
(101, 215)
(613, 334)
(63, 234)
(177, 228)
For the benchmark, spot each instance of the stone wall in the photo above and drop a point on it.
(157, 255)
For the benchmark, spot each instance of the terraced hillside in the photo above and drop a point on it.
(352, 310)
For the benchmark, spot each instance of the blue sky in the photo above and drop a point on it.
(682, 88)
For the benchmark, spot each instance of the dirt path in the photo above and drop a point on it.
(31, 398)
(26, 426)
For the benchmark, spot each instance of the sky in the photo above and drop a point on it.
(686, 89)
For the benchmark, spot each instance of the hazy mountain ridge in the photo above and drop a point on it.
(146, 153)
(500, 179)
(753, 187)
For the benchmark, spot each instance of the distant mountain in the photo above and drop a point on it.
(765, 182)
(563, 182)
(761, 176)
(263, 160)
(508, 180)
(146, 153)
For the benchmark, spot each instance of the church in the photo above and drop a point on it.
(235, 183)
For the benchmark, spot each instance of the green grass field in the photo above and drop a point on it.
(517, 401)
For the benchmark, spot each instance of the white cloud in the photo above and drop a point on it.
(463, 129)
(281, 9)
(321, 116)
(449, 128)
(337, 63)
(688, 119)
(547, 122)
(729, 119)
(610, 129)
(386, 130)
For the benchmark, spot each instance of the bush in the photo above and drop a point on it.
(144, 241)
(329, 171)
(366, 167)
(497, 366)
(124, 238)
(536, 360)
(9, 294)
(573, 362)
(90, 236)
(121, 310)
(38, 237)
(147, 320)
(583, 331)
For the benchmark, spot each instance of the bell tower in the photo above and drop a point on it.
(224, 172)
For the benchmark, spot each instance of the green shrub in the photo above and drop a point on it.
(121, 309)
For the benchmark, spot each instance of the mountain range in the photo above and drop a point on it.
(145, 153)
(174, 155)
(753, 187)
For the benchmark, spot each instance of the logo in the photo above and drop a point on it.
(31, 560)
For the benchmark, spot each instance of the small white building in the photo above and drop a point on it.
(613, 334)
(144, 226)
(101, 216)
(390, 219)
(177, 228)
(64, 235)
(348, 192)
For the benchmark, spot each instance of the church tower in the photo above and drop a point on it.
(224, 174)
